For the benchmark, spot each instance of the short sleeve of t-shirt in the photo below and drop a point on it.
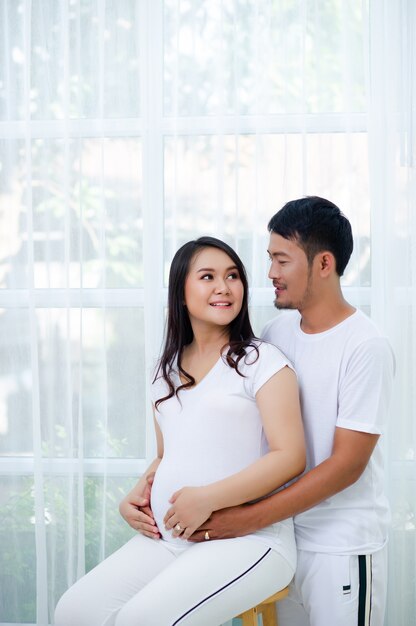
(270, 360)
(158, 387)
(365, 388)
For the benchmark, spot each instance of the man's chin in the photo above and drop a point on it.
(283, 305)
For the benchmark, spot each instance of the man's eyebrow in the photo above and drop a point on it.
(278, 253)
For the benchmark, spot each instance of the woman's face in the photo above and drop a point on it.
(213, 289)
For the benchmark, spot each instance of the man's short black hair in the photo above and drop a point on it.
(316, 225)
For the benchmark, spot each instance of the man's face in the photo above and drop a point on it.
(290, 273)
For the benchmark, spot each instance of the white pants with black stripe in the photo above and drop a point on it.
(334, 590)
(149, 583)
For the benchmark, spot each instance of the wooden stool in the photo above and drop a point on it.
(266, 609)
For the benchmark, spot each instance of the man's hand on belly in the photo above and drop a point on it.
(235, 521)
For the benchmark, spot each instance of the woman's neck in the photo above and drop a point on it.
(207, 342)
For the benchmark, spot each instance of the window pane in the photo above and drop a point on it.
(260, 315)
(13, 215)
(230, 186)
(47, 61)
(246, 57)
(92, 380)
(104, 37)
(17, 550)
(16, 430)
(84, 60)
(12, 61)
(402, 440)
(402, 540)
(114, 402)
(62, 527)
(87, 214)
(101, 497)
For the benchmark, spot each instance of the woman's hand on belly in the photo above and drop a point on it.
(135, 509)
(191, 507)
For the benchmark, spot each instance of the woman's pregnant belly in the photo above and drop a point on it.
(175, 472)
(168, 479)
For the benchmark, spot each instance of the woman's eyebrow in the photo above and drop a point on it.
(210, 269)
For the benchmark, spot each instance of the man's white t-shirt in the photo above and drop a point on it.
(214, 430)
(345, 376)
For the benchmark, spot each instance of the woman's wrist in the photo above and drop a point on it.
(210, 494)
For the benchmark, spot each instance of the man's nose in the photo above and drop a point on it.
(272, 271)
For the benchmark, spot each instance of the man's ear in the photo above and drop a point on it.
(327, 263)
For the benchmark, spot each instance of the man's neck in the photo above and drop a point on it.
(325, 315)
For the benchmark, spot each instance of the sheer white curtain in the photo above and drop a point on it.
(392, 145)
(72, 386)
(126, 128)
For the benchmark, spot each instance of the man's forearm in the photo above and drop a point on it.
(350, 455)
(351, 452)
(288, 502)
(320, 483)
(247, 518)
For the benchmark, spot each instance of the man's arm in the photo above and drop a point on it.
(350, 454)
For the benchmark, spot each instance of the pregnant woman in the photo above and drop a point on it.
(228, 431)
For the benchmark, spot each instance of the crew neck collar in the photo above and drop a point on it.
(328, 331)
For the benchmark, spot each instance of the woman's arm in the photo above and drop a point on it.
(278, 403)
(135, 506)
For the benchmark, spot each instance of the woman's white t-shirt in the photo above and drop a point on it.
(214, 430)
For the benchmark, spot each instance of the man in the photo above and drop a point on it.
(345, 371)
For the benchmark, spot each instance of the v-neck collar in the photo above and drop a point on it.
(207, 375)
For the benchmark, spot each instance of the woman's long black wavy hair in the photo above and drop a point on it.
(179, 330)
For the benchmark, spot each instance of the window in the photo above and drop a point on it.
(126, 129)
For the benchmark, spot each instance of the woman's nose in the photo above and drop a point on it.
(221, 287)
